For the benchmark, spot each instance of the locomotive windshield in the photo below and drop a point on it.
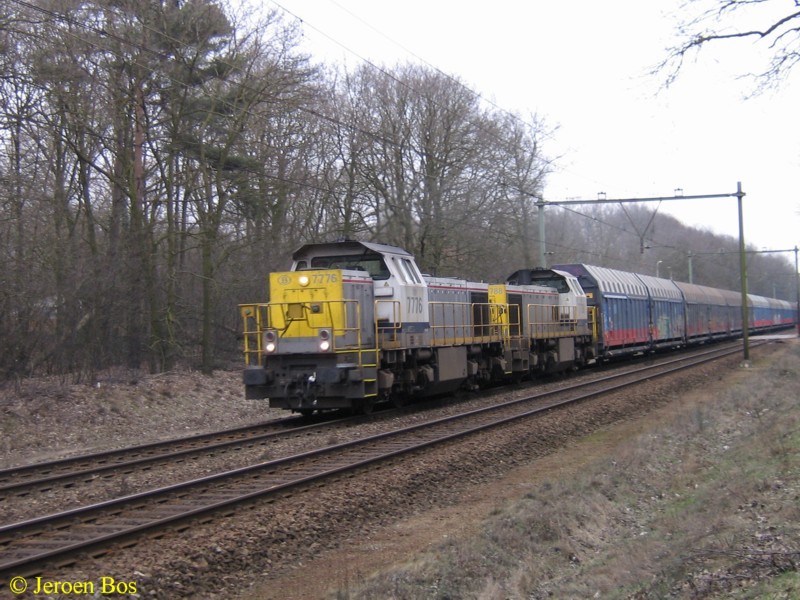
(559, 283)
(371, 263)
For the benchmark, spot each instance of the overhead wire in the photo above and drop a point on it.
(431, 65)
(515, 116)
(306, 23)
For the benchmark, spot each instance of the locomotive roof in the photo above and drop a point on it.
(346, 246)
(532, 276)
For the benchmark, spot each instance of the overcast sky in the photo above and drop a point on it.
(583, 67)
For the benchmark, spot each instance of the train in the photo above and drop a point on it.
(353, 324)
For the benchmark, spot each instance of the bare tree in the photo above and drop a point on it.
(126, 130)
(430, 162)
(775, 23)
(523, 177)
(353, 208)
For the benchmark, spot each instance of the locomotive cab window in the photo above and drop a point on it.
(559, 283)
(371, 263)
(406, 270)
(412, 271)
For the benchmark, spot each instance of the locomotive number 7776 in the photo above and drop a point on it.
(415, 304)
(321, 278)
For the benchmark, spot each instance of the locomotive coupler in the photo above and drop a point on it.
(301, 393)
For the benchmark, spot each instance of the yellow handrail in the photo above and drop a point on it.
(454, 323)
(254, 317)
(258, 318)
(551, 321)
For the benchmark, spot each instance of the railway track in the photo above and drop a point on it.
(57, 538)
(19, 482)
(23, 480)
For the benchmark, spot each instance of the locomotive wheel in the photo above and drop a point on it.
(306, 412)
(367, 406)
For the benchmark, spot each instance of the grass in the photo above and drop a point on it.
(703, 505)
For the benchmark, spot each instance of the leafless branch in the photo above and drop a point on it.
(783, 35)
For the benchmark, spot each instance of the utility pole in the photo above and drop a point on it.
(797, 284)
(542, 245)
(743, 272)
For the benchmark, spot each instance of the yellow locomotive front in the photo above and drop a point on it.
(312, 347)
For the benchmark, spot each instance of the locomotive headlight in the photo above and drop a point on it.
(303, 280)
(324, 340)
(270, 341)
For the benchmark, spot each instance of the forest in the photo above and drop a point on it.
(160, 159)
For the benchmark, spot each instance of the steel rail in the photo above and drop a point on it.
(87, 466)
(19, 481)
(90, 526)
(9, 473)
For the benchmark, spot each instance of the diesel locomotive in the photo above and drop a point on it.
(356, 323)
